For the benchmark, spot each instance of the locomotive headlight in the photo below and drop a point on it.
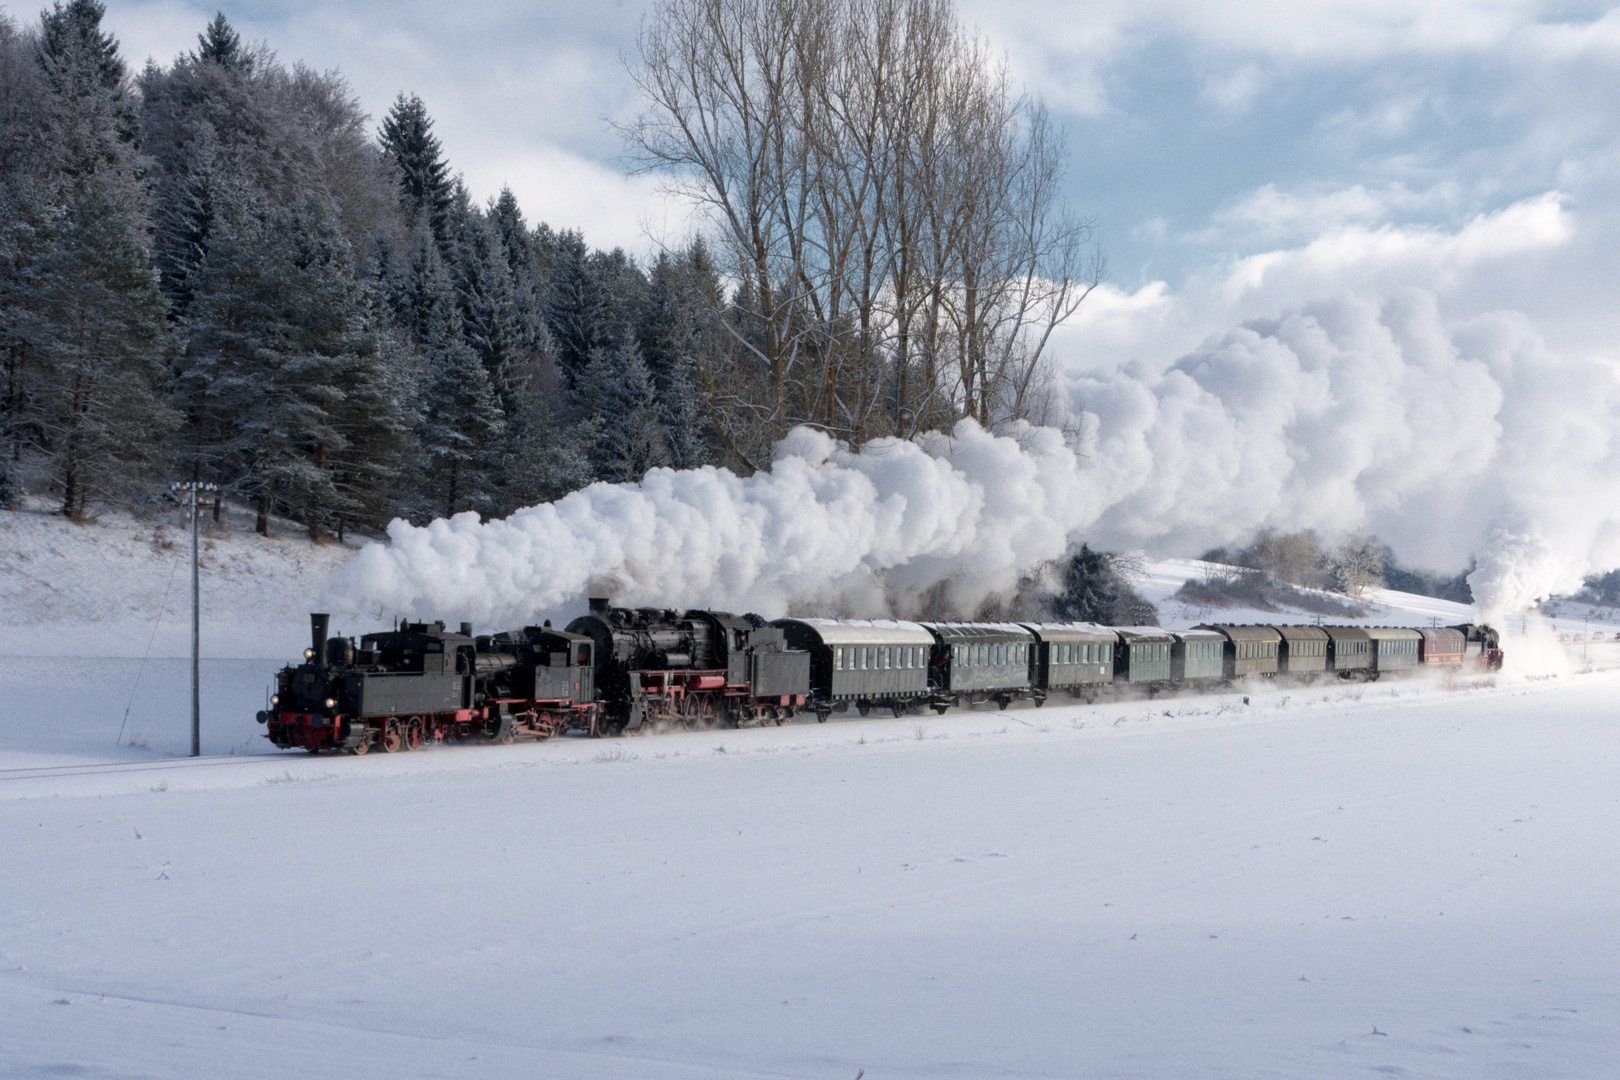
(275, 699)
(331, 703)
(309, 654)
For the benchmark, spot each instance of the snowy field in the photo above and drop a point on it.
(1412, 878)
(1401, 879)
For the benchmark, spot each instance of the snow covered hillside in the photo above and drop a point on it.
(118, 585)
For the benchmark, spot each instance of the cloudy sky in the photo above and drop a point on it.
(1339, 187)
(1200, 134)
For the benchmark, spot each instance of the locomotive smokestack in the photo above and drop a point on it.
(466, 629)
(317, 634)
(599, 604)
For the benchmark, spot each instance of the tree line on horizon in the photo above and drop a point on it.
(219, 270)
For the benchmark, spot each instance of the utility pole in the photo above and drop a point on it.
(194, 486)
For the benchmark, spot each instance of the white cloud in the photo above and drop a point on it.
(568, 191)
(1351, 255)
(1235, 90)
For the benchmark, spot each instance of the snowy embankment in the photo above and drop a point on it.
(1399, 878)
(121, 586)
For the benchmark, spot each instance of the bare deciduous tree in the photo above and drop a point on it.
(885, 204)
(1358, 564)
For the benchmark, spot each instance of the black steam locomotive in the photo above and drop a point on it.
(619, 670)
(611, 671)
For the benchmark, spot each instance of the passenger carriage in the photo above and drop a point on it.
(1349, 652)
(1073, 657)
(1142, 656)
(865, 663)
(1301, 650)
(1442, 646)
(1394, 648)
(977, 662)
(1198, 656)
(1250, 650)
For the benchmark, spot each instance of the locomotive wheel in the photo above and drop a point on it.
(360, 750)
(390, 740)
(413, 734)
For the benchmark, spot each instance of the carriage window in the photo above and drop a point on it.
(838, 658)
(865, 661)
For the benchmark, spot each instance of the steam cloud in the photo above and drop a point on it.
(1449, 442)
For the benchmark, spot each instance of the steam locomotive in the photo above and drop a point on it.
(618, 670)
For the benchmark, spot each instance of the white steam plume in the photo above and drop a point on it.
(823, 527)
(1450, 442)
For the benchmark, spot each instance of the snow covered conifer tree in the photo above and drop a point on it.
(578, 309)
(101, 400)
(671, 318)
(483, 289)
(98, 316)
(630, 437)
(278, 353)
(426, 189)
(220, 44)
(461, 421)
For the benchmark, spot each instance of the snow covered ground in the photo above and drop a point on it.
(1409, 878)
(1401, 879)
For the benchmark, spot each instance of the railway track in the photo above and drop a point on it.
(107, 768)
